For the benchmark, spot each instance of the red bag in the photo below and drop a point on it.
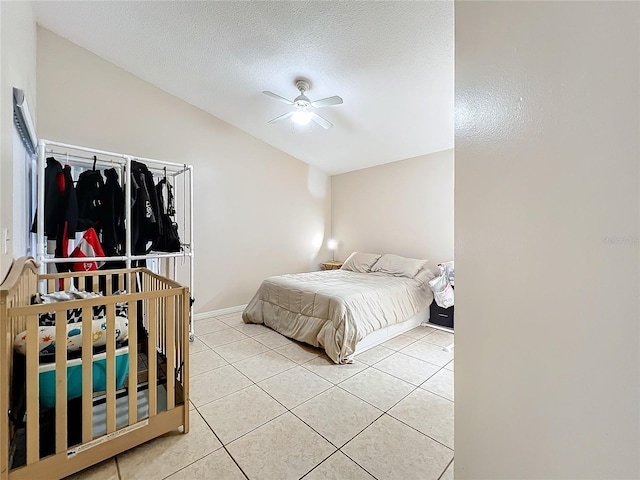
(89, 246)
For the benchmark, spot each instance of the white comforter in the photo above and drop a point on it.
(335, 309)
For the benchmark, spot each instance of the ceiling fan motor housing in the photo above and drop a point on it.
(303, 85)
(302, 101)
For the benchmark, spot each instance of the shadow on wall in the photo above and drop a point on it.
(317, 182)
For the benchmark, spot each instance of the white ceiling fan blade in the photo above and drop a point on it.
(325, 102)
(282, 117)
(278, 97)
(324, 123)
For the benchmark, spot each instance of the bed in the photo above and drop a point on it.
(369, 300)
(121, 377)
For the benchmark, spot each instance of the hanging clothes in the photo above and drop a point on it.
(60, 208)
(146, 221)
(88, 188)
(111, 214)
(168, 240)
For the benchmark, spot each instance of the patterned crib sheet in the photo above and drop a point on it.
(74, 315)
(47, 336)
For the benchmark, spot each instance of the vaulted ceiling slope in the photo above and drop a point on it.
(391, 62)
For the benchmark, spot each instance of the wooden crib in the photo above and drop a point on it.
(150, 400)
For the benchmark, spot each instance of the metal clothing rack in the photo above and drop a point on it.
(77, 156)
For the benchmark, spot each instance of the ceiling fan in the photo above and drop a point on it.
(304, 107)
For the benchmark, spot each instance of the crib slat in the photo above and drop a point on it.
(51, 285)
(170, 351)
(133, 362)
(67, 283)
(153, 360)
(109, 279)
(184, 328)
(33, 414)
(81, 283)
(61, 381)
(111, 368)
(87, 375)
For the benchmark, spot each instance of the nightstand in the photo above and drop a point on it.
(441, 316)
(331, 265)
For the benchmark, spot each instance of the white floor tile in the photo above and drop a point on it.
(407, 368)
(443, 339)
(295, 386)
(107, 470)
(208, 325)
(448, 473)
(230, 317)
(236, 414)
(272, 339)
(221, 337)
(378, 388)
(427, 413)
(264, 365)
(337, 415)
(236, 351)
(449, 366)
(299, 352)
(441, 384)
(210, 386)
(252, 329)
(338, 467)
(428, 352)
(165, 455)
(419, 332)
(374, 355)
(328, 370)
(390, 450)
(216, 465)
(399, 342)
(204, 361)
(197, 346)
(283, 449)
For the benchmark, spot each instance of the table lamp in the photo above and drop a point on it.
(332, 244)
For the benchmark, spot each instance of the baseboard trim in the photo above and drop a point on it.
(217, 313)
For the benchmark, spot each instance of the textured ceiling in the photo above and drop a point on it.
(391, 62)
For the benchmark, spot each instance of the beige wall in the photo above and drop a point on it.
(258, 212)
(547, 240)
(17, 69)
(404, 207)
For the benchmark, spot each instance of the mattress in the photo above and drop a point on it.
(335, 309)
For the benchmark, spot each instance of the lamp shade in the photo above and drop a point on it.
(332, 244)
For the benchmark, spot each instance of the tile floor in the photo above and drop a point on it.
(266, 407)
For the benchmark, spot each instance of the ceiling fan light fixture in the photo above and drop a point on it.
(302, 117)
(304, 108)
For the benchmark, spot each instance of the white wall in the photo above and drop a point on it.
(404, 207)
(258, 211)
(547, 240)
(17, 69)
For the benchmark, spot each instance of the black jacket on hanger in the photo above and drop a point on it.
(146, 220)
(88, 192)
(111, 214)
(60, 206)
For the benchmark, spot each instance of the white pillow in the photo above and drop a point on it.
(360, 262)
(398, 266)
(424, 275)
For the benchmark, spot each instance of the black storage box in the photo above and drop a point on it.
(441, 316)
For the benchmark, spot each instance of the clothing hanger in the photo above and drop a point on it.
(95, 159)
